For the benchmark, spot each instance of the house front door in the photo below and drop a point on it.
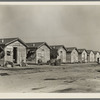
(15, 54)
(61, 56)
(43, 56)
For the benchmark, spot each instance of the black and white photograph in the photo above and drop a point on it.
(49, 48)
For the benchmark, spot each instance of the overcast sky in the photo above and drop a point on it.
(75, 26)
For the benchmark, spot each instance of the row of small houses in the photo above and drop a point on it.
(16, 51)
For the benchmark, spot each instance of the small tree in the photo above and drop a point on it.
(30, 54)
(53, 54)
(53, 57)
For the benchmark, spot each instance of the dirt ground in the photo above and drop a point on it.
(68, 78)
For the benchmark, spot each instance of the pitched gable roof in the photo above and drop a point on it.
(89, 51)
(36, 45)
(6, 41)
(95, 52)
(81, 50)
(57, 46)
(70, 49)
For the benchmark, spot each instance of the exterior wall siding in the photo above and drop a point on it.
(96, 56)
(43, 53)
(21, 52)
(79, 57)
(68, 57)
(10, 57)
(84, 56)
(88, 58)
(74, 56)
(91, 57)
(62, 55)
(2, 61)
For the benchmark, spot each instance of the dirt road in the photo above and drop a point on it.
(68, 78)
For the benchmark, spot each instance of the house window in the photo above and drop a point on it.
(8, 53)
(60, 51)
(42, 49)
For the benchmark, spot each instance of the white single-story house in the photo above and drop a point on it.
(61, 52)
(72, 55)
(90, 56)
(38, 51)
(96, 56)
(14, 50)
(82, 55)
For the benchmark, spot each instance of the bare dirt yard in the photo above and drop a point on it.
(68, 78)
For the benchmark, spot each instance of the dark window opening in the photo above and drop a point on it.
(15, 54)
(8, 53)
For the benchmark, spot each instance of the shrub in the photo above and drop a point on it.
(54, 62)
(9, 63)
(39, 61)
(58, 62)
(53, 53)
(23, 63)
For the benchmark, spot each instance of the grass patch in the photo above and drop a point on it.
(50, 79)
(64, 90)
(69, 81)
(4, 74)
(37, 88)
(55, 78)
